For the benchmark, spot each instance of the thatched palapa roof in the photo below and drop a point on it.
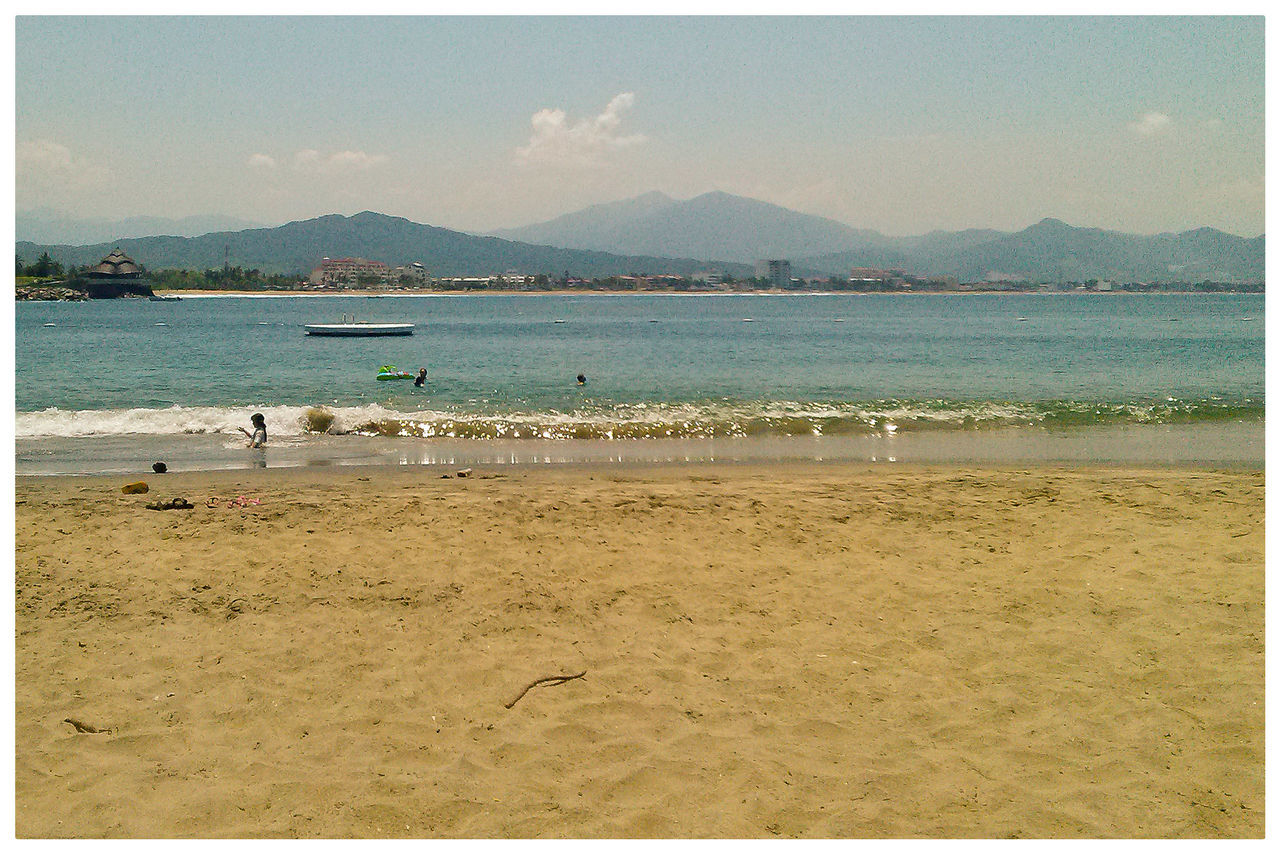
(117, 264)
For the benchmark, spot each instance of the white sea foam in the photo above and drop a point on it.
(641, 420)
(281, 420)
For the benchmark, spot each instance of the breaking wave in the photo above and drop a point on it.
(637, 421)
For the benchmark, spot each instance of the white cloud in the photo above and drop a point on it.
(45, 161)
(310, 160)
(262, 161)
(354, 160)
(44, 155)
(555, 140)
(1150, 124)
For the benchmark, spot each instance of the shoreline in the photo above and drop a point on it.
(353, 292)
(826, 651)
(379, 478)
(1211, 445)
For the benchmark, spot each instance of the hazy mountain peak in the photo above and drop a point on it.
(721, 195)
(375, 216)
(44, 225)
(323, 219)
(1203, 231)
(715, 225)
(728, 201)
(653, 196)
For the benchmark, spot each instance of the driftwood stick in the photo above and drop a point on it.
(548, 680)
(81, 726)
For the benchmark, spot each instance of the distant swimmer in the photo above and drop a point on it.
(582, 379)
(420, 378)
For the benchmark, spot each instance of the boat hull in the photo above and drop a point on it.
(359, 330)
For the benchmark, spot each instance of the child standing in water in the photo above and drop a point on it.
(258, 437)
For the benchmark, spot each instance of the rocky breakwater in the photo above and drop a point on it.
(81, 289)
(50, 291)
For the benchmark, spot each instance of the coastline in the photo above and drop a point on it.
(423, 292)
(803, 650)
(1224, 444)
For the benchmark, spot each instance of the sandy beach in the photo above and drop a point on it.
(839, 650)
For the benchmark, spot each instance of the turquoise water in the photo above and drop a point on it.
(503, 366)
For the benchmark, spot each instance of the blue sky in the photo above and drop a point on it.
(899, 124)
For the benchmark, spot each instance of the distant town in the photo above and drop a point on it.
(118, 275)
(337, 274)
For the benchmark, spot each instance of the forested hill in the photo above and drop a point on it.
(298, 247)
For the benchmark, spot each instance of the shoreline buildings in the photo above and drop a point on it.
(775, 271)
(354, 272)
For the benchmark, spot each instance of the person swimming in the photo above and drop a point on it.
(421, 378)
(582, 379)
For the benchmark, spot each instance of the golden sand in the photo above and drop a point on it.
(795, 651)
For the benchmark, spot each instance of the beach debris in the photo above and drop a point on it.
(318, 420)
(159, 468)
(238, 501)
(171, 504)
(81, 726)
(545, 680)
(464, 472)
(136, 488)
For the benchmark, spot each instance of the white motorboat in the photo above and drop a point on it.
(358, 328)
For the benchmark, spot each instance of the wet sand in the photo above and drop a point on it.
(1219, 445)
(784, 650)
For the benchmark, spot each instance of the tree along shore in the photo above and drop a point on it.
(47, 280)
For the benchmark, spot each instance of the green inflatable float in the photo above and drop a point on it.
(389, 372)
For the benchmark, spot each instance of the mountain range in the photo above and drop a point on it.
(1051, 250)
(47, 226)
(654, 234)
(298, 247)
(724, 227)
(715, 226)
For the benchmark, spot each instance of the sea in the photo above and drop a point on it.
(112, 386)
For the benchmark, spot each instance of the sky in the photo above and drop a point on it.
(899, 124)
